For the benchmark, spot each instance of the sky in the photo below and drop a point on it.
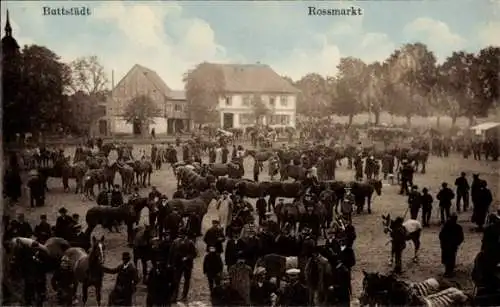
(172, 37)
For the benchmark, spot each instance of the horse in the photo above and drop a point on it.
(126, 173)
(87, 268)
(142, 248)
(198, 205)
(288, 213)
(276, 265)
(252, 189)
(413, 229)
(365, 190)
(231, 169)
(260, 156)
(297, 172)
(143, 170)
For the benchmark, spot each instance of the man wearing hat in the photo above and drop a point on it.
(214, 237)
(462, 191)
(24, 228)
(348, 203)
(126, 282)
(182, 255)
(414, 202)
(63, 225)
(450, 237)
(212, 267)
(445, 196)
(426, 201)
(43, 231)
(36, 185)
(358, 168)
(481, 204)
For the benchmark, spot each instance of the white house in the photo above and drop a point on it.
(242, 83)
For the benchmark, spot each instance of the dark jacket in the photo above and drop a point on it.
(445, 196)
(182, 248)
(127, 278)
(24, 230)
(214, 237)
(63, 227)
(233, 248)
(43, 232)
(415, 200)
(427, 201)
(212, 265)
(116, 198)
(260, 295)
(451, 235)
(462, 185)
(261, 206)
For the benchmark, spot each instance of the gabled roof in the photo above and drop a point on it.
(485, 126)
(253, 78)
(177, 95)
(150, 75)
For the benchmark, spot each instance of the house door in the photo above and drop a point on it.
(228, 121)
(103, 127)
(137, 127)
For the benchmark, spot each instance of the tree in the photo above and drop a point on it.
(351, 78)
(487, 81)
(84, 111)
(87, 76)
(372, 92)
(33, 98)
(412, 71)
(204, 87)
(312, 99)
(260, 110)
(141, 110)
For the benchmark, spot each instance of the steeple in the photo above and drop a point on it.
(8, 28)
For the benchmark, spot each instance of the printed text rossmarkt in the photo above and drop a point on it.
(66, 11)
(352, 11)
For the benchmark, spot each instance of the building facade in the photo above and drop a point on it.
(171, 105)
(243, 85)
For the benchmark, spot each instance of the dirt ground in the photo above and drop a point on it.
(371, 249)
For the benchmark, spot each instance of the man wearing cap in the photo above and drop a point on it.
(261, 289)
(406, 177)
(414, 202)
(445, 196)
(43, 231)
(294, 293)
(36, 185)
(212, 267)
(214, 237)
(450, 237)
(126, 282)
(63, 225)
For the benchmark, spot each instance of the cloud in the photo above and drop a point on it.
(436, 34)
(489, 34)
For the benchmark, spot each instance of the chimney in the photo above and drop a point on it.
(112, 79)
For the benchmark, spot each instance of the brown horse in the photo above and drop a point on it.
(318, 273)
(87, 268)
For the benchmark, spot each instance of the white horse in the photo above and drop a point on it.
(224, 209)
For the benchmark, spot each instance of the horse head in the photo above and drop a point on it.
(97, 250)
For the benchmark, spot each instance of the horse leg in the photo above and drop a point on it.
(144, 265)
(98, 290)
(416, 243)
(423, 167)
(369, 204)
(85, 293)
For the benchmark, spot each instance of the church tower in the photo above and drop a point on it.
(9, 43)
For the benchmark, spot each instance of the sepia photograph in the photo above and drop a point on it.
(250, 153)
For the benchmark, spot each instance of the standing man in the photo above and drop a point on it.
(182, 254)
(24, 228)
(450, 237)
(224, 154)
(483, 200)
(462, 191)
(212, 268)
(214, 237)
(427, 201)
(126, 282)
(414, 202)
(63, 225)
(43, 231)
(445, 196)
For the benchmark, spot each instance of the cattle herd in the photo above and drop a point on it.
(301, 234)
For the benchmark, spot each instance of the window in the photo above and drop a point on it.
(280, 119)
(284, 101)
(229, 101)
(247, 119)
(246, 100)
(177, 108)
(272, 101)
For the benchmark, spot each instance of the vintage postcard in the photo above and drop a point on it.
(250, 153)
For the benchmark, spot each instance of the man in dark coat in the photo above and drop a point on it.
(116, 196)
(414, 202)
(462, 191)
(406, 177)
(427, 201)
(387, 165)
(294, 293)
(234, 247)
(43, 231)
(24, 228)
(450, 237)
(182, 254)
(483, 200)
(36, 186)
(310, 220)
(285, 243)
(340, 292)
(358, 167)
(214, 237)
(63, 225)
(261, 207)
(160, 285)
(398, 240)
(445, 196)
(126, 282)
(213, 267)
(172, 222)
